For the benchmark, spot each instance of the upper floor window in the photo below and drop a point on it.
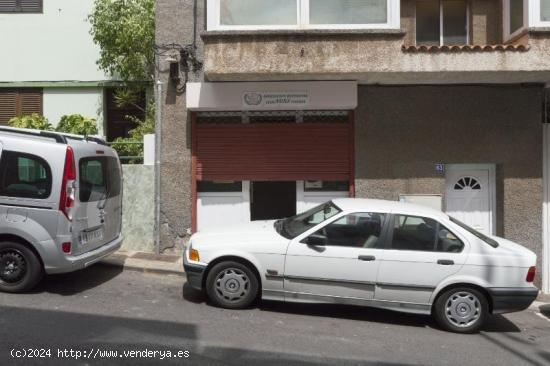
(20, 6)
(539, 13)
(516, 14)
(298, 14)
(441, 22)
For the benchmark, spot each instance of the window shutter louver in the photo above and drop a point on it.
(19, 102)
(30, 102)
(7, 6)
(21, 6)
(8, 104)
(30, 6)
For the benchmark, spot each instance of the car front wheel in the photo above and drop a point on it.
(231, 285)
(20, 269)
(461, 310)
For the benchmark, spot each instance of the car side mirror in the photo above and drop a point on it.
(316, 240)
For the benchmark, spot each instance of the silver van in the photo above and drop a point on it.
(60, 204)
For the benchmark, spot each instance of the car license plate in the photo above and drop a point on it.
(92, 235)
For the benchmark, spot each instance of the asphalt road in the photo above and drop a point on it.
(103, 309)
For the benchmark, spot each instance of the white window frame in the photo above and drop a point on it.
(534, 15)
(441, 26)
(302, 17)
(506, 19)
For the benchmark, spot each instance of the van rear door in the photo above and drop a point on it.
(98, 214)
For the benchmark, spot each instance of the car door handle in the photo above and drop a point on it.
(445, 262)
(367, 258)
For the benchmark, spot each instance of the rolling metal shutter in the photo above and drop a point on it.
(274, 151)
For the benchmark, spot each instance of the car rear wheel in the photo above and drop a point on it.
(461, 310)
(231, 285)
(20, 269)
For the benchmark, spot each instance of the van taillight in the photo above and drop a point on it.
(66, 247)
(66, 201)
(531, 274)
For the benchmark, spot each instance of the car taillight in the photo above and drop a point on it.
(66, 201)
(531, 274)
(66, 247)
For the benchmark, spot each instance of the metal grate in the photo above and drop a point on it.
(325, 117)
(273, 117)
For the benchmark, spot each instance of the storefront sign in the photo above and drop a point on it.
(272, 96)
(292, 100)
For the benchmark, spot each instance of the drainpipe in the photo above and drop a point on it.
(158, 143)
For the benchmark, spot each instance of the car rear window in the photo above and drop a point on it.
(24, 176)
(99, 178)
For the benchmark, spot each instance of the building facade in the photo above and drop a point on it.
(48, 65)
(299, 101)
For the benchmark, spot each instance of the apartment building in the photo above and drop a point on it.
(48, 65)
(439, 102)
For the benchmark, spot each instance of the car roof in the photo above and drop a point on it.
(358, 204)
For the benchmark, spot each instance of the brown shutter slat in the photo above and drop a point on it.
(8, 6)
(30, 102)
(30, 6)
(273, 151)
(7, 106)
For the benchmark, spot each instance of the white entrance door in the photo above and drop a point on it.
(470, 195)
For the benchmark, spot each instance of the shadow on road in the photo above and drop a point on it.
(68, 284)
(496, 323)
(545, 310)
(91, 333)
(192, 295)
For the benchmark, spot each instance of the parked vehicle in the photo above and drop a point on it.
(60, 204)
(374, 253)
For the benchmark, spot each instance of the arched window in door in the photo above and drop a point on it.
(467, 182)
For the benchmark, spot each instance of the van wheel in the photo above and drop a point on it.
(461, 310)
(20, 269)
(231, 285)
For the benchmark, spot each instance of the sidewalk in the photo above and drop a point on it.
(146, 262)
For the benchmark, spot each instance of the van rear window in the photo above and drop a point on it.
(99, 178)
(25, 176)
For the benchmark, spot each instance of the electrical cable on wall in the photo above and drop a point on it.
(188, 60)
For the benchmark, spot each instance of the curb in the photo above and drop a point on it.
(126, 267)
(144, 266)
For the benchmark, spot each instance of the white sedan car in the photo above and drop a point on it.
(366, 252)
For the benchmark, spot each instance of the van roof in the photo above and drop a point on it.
(59, 137)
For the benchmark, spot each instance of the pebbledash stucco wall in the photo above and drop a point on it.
(402, 132)
(369, 56)
(138, 218)
(174, 24)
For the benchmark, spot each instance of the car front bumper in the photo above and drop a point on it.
(509, 300)
(194, 273)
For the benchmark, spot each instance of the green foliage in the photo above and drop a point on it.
(132, 146)
(33, 121)
(125, 33)
(78, 125)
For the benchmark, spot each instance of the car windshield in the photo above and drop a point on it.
(296, 225)
(473, 231)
